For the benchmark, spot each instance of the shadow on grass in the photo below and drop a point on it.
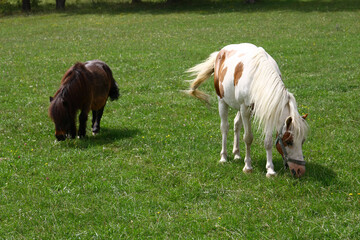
(109, 134)
(202, 7)
(106, 136)
(314, 173)
(208, 7)
(319, 173)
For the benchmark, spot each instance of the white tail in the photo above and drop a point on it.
(202, 72)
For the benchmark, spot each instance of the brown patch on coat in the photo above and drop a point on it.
(221, 78)
(230, 53)
(218, 70)
(238, 72)
(287, 141)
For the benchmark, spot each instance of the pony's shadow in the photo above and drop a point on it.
(106, 136)
(319, 173)
(116, 134)
(314, 173)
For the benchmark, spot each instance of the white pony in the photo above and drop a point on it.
(248, 79)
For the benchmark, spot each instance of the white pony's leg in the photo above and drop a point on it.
(237, 127)
(248, 137)
(269, 163)
(224, 126)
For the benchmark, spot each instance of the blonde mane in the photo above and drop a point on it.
(270, 97)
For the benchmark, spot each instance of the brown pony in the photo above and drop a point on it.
(85, 86)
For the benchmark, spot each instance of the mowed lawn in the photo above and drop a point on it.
(153, 172)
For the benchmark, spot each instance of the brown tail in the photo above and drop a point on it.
(114, 89)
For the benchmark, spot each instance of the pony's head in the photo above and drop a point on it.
(289, 143)
(60, 114)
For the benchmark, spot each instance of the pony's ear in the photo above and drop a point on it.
(288, 122)
(305, 116)
(51, 99)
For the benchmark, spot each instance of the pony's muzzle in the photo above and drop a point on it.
(296, 169)
(60, 135)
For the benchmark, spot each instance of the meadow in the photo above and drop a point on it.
(153, 171)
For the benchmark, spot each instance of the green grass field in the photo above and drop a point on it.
(153, 171)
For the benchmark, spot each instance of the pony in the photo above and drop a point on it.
(248, 79)
(85, 86)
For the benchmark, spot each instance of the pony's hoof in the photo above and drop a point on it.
(247, 170)
(237, 157)
(222, 160)
(270, 174)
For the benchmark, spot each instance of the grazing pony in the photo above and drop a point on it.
(248, 79)
(85, 86)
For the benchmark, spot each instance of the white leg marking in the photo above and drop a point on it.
(248, 137)
(269, 163)
(224, 126)
(237, 127)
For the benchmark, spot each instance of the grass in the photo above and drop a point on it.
(153, 171)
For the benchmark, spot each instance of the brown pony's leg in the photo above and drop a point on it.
(82, 123)
(96, 120)
(72, 130)
(93, 119)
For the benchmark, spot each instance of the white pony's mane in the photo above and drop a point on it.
(269, 95)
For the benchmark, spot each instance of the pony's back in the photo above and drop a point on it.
(97, 67)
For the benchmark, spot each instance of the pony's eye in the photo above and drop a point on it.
(289, 143)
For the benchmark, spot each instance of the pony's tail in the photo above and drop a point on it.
(202, 72)
(114, 89)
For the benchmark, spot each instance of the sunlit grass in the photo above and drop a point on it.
(153, 171)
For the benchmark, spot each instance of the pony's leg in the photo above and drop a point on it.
(237, 127)
(224, 126)
(73, 128)
(248, 137)
(82, 123)
(96, 120)
(268, 147)
(93, 119)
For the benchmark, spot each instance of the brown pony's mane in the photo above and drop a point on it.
(73, 91)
